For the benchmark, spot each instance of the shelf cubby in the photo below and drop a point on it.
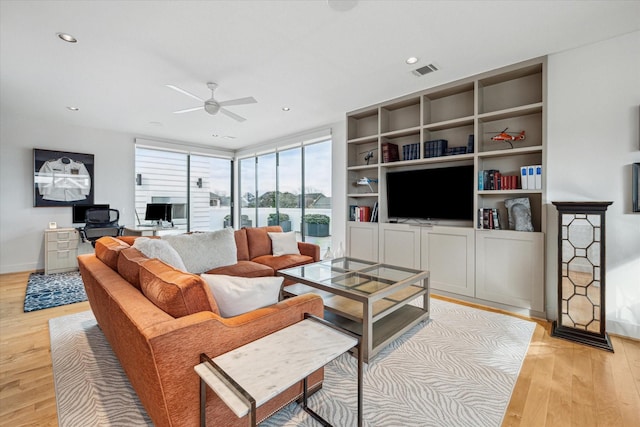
(357, 153)
(363, 124)
(531, 123)
(511, 89)
(400, 115)
(496, 199)
(448, 104)
(456, 136)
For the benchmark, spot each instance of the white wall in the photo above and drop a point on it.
(22, 225)
(592, 140)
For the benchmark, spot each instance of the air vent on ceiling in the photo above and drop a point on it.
(425, 70)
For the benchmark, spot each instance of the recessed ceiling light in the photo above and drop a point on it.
(215, 135)
(411, 60)
(73, 108)
(67, 37)
(286, 109)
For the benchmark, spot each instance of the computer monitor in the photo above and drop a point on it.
(79, 211)
(158, 212)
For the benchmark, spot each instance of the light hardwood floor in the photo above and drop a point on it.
(560, 384)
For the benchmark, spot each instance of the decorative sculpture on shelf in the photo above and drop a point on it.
(508, 137)
(368, 156)
(367, 181)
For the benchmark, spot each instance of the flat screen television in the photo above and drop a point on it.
(158, 212)
(438, 193)
(79, 211)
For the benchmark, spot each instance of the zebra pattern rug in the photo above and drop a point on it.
(53, 290)
(457, 369)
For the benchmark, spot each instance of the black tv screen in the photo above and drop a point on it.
(439, 193)
(158, 212)
(79, 211)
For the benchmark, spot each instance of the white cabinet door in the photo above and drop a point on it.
(400, 245)
(448, 254)
(362, 238)
(510, 268)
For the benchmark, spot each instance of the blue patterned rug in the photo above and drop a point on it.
(53, 290)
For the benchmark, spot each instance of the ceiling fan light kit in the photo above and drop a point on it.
(212, 106)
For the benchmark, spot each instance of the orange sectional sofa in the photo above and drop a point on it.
(158, 320)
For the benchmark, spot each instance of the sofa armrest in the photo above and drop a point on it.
(203, 331)
(176, 347)
(309, 249)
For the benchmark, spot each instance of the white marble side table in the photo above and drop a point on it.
(251, 375)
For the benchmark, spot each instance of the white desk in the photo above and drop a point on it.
(135, 230)
(251, 375)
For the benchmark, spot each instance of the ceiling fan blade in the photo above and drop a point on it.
(239, 101)
(184, 92)
(232, 115)
(188, 110)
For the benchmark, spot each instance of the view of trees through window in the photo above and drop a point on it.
(291, 188)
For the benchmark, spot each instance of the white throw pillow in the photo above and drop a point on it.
(202, 252)
(238, 295)
(157, 248)
(284, 243)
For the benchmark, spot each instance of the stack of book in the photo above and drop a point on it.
(454, 151)
(389, 152)
(492, 179)
(411, 151)
(435, 148)
(531, 177)
(488, 219)
(364, 213)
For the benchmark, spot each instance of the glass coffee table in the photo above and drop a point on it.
(365, 297)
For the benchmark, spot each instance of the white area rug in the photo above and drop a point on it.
(458, 369)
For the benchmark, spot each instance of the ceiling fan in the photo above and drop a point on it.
(212, 106)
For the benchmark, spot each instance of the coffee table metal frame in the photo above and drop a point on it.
(242, 402)
(368, 298)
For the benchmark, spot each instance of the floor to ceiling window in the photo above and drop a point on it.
(198, 187)
(290, 187)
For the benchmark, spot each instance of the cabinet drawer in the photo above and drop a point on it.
(62, 245)
(62, 260)
(61, 235)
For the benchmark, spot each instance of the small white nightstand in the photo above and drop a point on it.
(60, 250)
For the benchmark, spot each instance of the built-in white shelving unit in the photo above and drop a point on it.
(502, 267)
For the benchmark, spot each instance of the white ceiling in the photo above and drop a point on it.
(305, 55)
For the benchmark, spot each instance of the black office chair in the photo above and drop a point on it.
(100, 222)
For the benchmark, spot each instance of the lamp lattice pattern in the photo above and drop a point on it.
(581, 240)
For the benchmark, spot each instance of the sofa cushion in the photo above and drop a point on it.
(130, 239)
(107, 250)
(129, 261)
(201, 252)
(175, 292)
(161, 249)
(244, 269)
(259, 241)
(284, 261)
(242, 245)
(238, 295)
(284, 243)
